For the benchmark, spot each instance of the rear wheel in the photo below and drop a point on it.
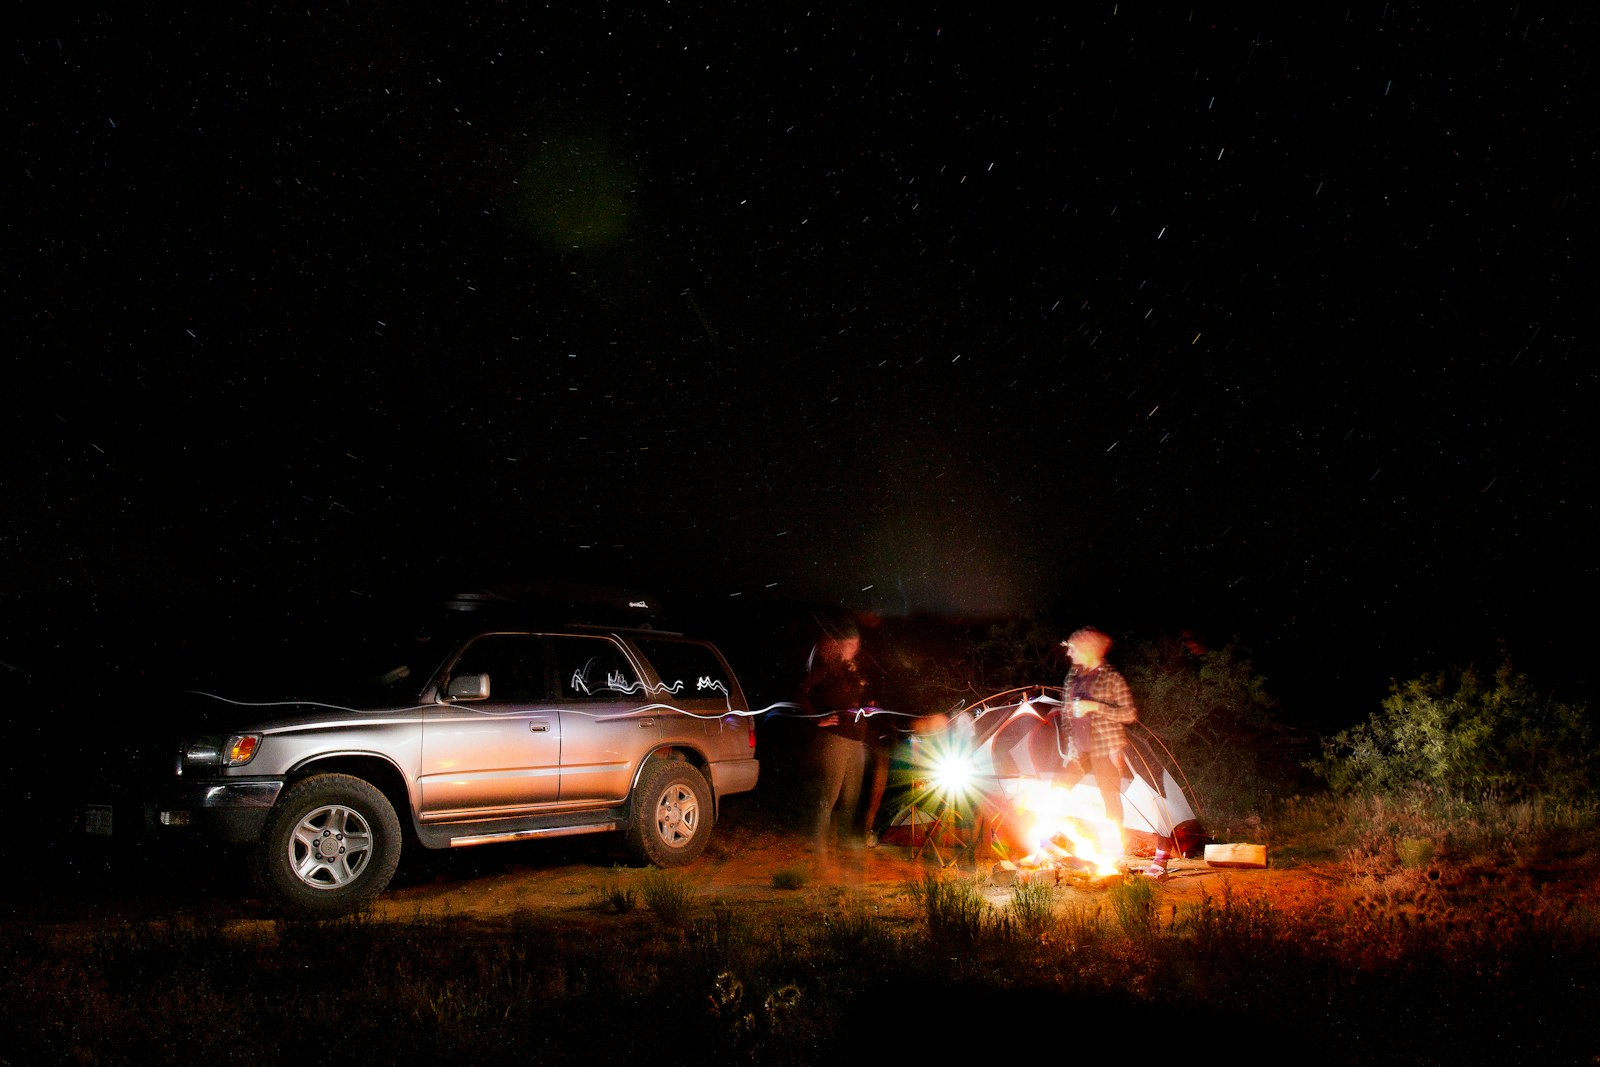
(670, 815)
(331, 844)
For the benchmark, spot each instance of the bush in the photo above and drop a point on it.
(1229, 923)
(1414, 829)
(1453, 732)
(1217, 717)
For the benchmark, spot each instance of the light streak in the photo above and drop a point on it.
(299, 704)
(541, 705)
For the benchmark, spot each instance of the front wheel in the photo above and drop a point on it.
(331, 844)
(670, 815)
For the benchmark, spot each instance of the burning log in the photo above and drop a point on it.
(1007, 873)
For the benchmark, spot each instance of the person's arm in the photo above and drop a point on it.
(819, 715)
(1113, 700)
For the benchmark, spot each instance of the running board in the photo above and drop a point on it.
(529, 835)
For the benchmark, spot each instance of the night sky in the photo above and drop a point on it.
(1137, 314)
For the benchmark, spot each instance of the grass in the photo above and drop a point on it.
(1420, 827)
(790, 878)
(955, 914)
(1407, 974)
(615, 895)
(1376, 989)
(1133, 902)
(669, 894)
(1032, 908)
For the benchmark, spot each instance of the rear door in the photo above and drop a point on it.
(610, 717)
(696, 681)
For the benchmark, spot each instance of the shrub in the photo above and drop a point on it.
(1414, 852)
(1216, 716)
(1080, 928)
(1220, 924)
(858, 932)
(1454, 732)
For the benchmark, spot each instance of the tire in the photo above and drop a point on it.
(331, 844)
(670, 814)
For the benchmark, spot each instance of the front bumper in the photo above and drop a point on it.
(232, 810)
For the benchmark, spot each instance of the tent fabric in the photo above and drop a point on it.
(1017, 740)
(913, 826)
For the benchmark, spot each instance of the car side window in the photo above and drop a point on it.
(593, 668)
(688, 671)
(515, 663)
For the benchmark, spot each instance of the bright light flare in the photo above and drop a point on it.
(953, 774)
(949, 768)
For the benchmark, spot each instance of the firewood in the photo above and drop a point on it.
(1236, 855)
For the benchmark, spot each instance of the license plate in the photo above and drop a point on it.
(97, 819)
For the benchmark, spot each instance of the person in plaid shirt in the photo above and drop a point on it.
(1098, 706)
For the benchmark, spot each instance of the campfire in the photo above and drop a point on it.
(1000, 763)
(1063, 830)
(1048, 826)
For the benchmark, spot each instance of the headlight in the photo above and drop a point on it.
(213, 753)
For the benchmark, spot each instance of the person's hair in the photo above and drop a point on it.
(1092, 637)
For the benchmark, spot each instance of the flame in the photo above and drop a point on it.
(1060, 826)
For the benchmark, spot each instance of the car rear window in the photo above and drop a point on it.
(688, 670)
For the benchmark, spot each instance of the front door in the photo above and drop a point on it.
(500, 756)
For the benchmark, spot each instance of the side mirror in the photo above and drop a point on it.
(468, 687)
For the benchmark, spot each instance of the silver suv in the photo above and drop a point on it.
(501, 735)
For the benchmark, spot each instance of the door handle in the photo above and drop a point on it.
(539, 726)
(646, 724)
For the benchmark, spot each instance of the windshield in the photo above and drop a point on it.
(346, 658)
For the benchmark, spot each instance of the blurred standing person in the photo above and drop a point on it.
(1098, 707)
(882, 738)
(834, 694)
(883, 730)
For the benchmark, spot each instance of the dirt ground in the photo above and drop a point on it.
(739, 865)
(562, 880)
